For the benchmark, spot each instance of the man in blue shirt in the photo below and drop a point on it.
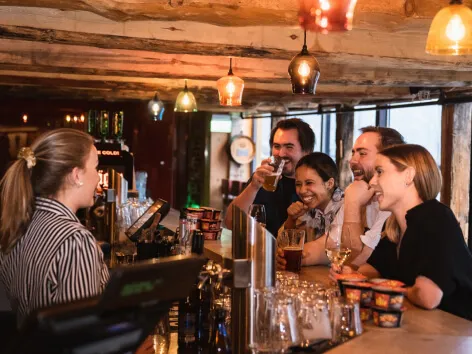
(291, 139)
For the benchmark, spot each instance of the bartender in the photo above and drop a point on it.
(46, 255)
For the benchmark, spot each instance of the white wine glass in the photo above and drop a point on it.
(338, 245)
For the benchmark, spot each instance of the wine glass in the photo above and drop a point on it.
(338, 245)
(257, 211)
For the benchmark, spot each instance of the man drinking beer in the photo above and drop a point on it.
(290, 140)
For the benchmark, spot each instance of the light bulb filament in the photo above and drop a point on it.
(304, 69)
(230, 88)
(455, 29)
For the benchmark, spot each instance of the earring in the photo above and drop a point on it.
(80, 184)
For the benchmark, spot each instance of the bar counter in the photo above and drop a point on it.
(432, 331)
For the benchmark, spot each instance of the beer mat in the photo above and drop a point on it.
(321, 346)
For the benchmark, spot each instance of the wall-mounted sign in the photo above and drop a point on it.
(242, 149)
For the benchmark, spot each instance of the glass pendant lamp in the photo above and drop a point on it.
(156, 108)
(185, 101)
(230, 88)
(451, 31)
(304, 72)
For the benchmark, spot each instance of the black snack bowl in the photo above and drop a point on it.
(387, 318)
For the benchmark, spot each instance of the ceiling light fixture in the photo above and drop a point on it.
(156, 108)
(185, 101)
(451, 31)
(326, 15)
(304, 71)
(230, 88)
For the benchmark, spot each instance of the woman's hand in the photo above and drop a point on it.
(294, 211)
(336, 270)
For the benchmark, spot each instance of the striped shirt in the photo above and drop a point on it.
(57, 260)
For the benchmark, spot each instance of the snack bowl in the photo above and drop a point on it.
(212, 235)
(359, 291)
(210, 225)
(207, 213)
(388, 298)
(388, 283)
(349, 277)
(366, 313)
(198, 212)
(387, 318)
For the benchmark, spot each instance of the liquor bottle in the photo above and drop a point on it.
(203, 319)
(220, 342)
(117, 120)
(104, 126)
(92, 123)
(188, 309)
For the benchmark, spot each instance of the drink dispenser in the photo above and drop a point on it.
(253, 255)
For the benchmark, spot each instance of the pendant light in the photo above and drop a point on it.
(326, 15)
(156, 108)
(230, 88)
(304, 71)
(451, 31)
(185, 101)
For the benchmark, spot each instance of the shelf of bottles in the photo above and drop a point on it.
(105, 126)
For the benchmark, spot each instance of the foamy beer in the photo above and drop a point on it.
(271, 180)
(291, 241)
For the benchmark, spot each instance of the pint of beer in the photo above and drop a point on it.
(270, 181)
(291, 241)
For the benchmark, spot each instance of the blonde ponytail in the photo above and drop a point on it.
(16, 203)
(40, 171)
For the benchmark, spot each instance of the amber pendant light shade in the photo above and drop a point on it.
(326, 15)
(451, 31)
(156, 108)
(185, 101)
(304, 71)
(230, 88)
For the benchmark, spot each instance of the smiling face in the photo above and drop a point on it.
(312, 190)
(388, 183)
(364, 152)
(287, 146)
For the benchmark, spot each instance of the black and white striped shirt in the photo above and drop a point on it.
(57, 260)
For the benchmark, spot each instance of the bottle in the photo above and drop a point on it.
(188, 309)
(103, 125)
(203, 319)
(117, 125)
(197, 242)
(220, 342)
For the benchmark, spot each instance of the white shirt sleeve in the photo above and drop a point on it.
(375, 221)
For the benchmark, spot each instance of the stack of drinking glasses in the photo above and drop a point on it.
(301, 313)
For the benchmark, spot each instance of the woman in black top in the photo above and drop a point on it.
(424, 246)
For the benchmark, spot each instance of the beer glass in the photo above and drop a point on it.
(291, 241)
(271, 180)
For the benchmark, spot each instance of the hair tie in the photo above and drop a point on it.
(28, 155)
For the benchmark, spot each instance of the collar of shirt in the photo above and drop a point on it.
(56, 207)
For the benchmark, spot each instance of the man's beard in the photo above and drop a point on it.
(366, 174)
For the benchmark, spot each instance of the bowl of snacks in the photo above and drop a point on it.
(387, 318)
(360, 292)
(349, 277)
(366, 313)
(388, 298)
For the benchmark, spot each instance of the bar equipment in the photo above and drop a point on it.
(253, 255)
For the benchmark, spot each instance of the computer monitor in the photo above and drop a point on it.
(144, 221)
(118, 321)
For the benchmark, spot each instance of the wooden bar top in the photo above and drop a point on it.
(422, 331)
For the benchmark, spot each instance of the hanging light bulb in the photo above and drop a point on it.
(156, 108)
(451, 31)
(185, 101)
(25, 118)
(326, 15)
(304, 71)
(82, 118)
(230, 88)
(68, 118)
